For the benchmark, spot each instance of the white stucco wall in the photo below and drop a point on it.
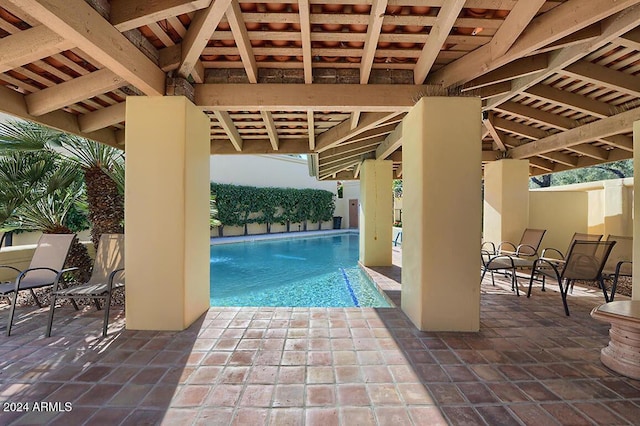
(280, 171)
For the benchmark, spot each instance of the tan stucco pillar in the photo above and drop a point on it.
(635, 291)
(376, 212)
(506, 200)
(166, 213)
(617, 211)
(441, 214)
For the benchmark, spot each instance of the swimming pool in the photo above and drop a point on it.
(295, 272)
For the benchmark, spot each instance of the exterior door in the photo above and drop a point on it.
(353, 213)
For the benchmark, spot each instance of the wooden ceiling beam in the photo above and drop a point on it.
(604, 76)
(542, 31)
(630, 39)
(301, 97)
(502, 48)
(129, 14)
(584, 35)
(202, 26)
(562, 123)
(496, 135)
(263, 146)
(226, 122)
(102, 118)
(543, 164)
(239, 31)
(271, 129)
(518, 68)
(305, 34)
(611, 28)
(560, 158)
(617, 124)
(72, 91)
(342, 150)
(13, 103)
(343, 131)
(570, 100)
(438, 34)
(29, 46)
(311, 129)
(356, 172)
(376, 17)
(348, 155)
(78, 23)
(390, 144)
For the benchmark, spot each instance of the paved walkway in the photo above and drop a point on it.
(529, 364)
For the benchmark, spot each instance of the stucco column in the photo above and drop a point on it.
(617, 220)
(441, 170)
(376, 212)
(166, 213)
(506, 200)
(635, 291)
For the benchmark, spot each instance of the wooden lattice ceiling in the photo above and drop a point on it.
(559, 79)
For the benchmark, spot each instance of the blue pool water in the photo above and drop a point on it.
(310, 272)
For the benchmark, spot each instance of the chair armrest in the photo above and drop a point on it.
(506, 243)
(488, 243)
(533, 249)
(56, 283)
(554, 250)
(554, 266)
(10, 267)
(619, 266)
(112, 276)
(499, 257)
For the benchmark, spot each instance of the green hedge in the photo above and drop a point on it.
(242, 205)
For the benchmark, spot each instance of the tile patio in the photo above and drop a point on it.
(529, 364)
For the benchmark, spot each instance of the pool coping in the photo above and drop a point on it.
(279, 236)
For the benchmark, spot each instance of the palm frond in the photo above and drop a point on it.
(91, 154)
(26, 136)
(46, 214)
(117, 173)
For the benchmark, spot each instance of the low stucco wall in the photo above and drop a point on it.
(561, 214)
(603, 207)
(20, 257)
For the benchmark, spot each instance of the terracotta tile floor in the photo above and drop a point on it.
(529, 364)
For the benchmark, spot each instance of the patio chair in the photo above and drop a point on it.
(107, 275)
(555, 256)
(44, 270)
(584, 261)
(620, 261)
(510, 257)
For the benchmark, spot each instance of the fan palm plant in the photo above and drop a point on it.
(37, 190)
(103, 168)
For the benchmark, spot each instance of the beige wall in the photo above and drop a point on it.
(609, 205)
(561, 214)
(351, 190)
(442, 222)
(166, 213)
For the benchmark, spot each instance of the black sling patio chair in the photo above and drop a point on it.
(511, 257)
(585, 261)
(44, 270)
(107, 275)
(557, 257)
